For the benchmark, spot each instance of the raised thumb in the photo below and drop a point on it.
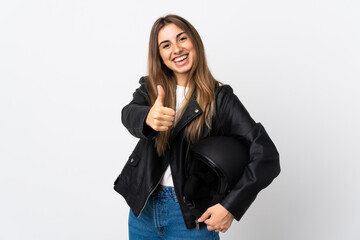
(161, 95)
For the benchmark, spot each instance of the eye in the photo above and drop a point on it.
(166, 45)
(182, 39)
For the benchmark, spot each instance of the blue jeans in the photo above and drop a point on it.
(162, 219)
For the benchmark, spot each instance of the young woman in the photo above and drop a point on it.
(178, 103)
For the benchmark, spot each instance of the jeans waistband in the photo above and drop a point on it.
(163, 191)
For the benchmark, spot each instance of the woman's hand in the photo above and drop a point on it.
(217, 218)
(160, 118)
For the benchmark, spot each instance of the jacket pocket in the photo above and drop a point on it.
(126, 172)
(133, 160)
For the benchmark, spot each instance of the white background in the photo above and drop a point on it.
(68, 67)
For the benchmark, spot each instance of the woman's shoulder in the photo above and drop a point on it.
(223, 89)
(142, 90)
(225, 96)
(143, 80)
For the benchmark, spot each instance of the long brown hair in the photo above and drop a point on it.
(200, 80)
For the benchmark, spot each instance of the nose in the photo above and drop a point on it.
(177, 48)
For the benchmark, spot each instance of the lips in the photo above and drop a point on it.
(181, 58)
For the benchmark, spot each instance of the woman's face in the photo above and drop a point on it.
(176, 50)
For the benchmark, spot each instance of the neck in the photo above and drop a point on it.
(181, 79)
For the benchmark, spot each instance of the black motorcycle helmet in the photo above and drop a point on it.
(213, 167)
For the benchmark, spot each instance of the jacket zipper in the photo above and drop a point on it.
(197, 224)
(152, 191)
(186, 159)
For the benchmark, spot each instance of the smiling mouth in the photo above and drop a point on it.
(180, 59)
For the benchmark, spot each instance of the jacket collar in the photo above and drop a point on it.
(192, 111)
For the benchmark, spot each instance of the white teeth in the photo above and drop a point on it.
(180, 58)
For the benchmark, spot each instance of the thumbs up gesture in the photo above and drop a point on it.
(160, 118)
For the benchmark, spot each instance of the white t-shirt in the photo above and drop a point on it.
(180, 95)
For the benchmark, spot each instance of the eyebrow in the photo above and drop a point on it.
(169, 41)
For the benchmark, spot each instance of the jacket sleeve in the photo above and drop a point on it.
(263, 165)
(134, 114)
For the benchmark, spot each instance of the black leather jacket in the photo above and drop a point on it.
(144, 169)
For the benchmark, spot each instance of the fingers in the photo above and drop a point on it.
(161, 128)
(160, 118)
(163, 117)
(168, 118)
(162, 113)
(222, 229)
(166, 111)
(161, 96)
(162, 123)
(204, 216)
(159, 103)
(217, 218)
(210, 228)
